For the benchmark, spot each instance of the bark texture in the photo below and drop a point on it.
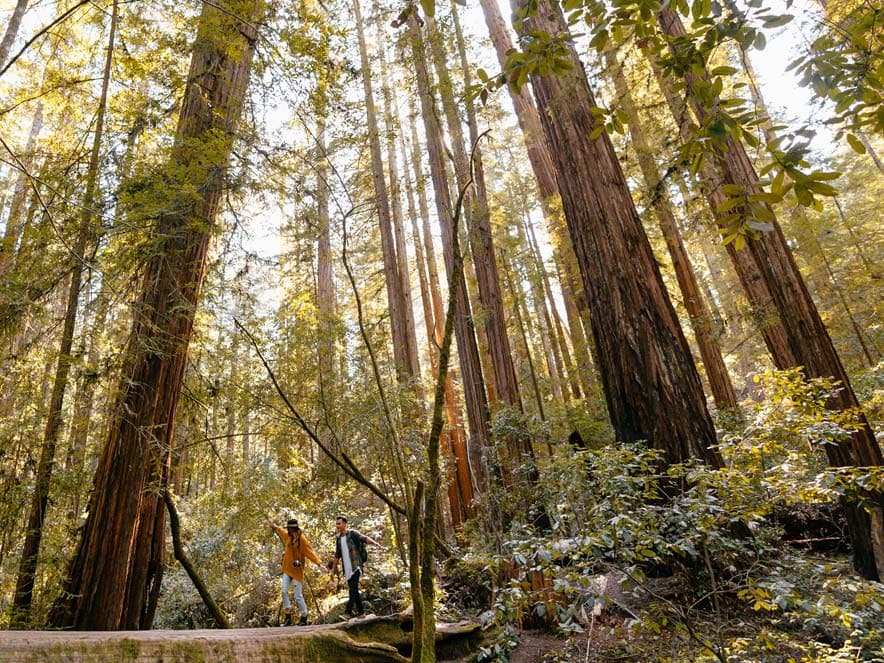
(402, 353)
(462, 490)
(467, 348)
(651, 385)
(545, 174)
(12, 30)
(701, 321)
(114, 577)
(24, 585)
(808, 341)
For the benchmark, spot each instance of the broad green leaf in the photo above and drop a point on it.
(856, 144)
(765, 197)
(777, 21)
(598, 42)
(804, 196)
(822, 188)
(825, 175)
(760, 41)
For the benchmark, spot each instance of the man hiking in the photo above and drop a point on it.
(350, 549)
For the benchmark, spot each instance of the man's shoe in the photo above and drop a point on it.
(302, 621)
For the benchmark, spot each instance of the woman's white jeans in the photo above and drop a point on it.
(288, 581)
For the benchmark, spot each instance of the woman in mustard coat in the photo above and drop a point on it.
(297, 551)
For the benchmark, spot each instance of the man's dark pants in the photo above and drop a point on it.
(354, 599)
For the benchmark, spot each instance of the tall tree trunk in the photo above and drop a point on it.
(764, 314)
(651, 385)
(423, 639)
(390, 120)
(526, 112)
(24, 585)
(701, 322)
(14, 219)
(468, 353)
(520, 449)
(506, 387)
(544, 173)
(114, 577)
(12, 30)
(547, 335)
(518, 296)
(402, 354)
(808, 340)
(459, 488)
(553, 319)
(90, 372)
(325, 282)
(799, 214)
(470, 468)
(81, 414)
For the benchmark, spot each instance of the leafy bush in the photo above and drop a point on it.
(703, 564)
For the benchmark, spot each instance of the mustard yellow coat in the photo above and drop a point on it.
(296, 548)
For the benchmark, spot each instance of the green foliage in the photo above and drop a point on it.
(845, 64)
(737, 593)
(499, 651)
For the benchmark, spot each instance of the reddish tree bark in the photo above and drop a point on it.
(24, 585)
(651, 385)
(807, 340)
(467, 348)
(114, 577)
(403, 354)
(716, 372)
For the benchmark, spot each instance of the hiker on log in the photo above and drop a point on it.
(297, 551)
(350, 549)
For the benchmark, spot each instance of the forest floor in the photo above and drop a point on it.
(537, 646)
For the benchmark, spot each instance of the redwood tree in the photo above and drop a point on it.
(113, 580)
(467, 348)
(719, 380)
(808, 342)
(650, 381)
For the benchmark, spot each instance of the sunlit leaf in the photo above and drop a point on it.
(856, 144)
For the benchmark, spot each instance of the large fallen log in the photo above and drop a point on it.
(357, 641)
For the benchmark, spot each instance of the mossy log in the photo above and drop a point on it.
(452, 640)
(370, 640)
